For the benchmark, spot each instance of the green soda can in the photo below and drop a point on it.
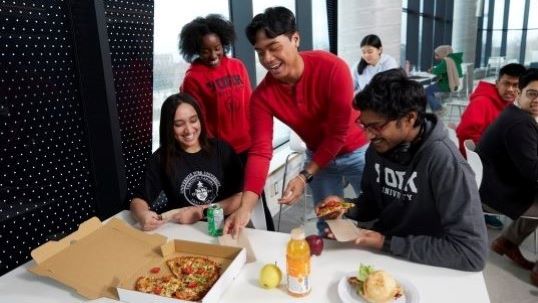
(215, 220)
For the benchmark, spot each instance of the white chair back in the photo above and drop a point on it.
(452, 134)
(474, 160)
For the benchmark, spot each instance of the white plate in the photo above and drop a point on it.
(349, 295)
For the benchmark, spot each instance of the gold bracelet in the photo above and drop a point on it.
(301, 177)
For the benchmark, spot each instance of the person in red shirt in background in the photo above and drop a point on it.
(312, 93)
(486, 103)
(220, 84)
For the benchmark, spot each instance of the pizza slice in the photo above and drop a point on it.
(163, 286)
(197, 275)
(333, 206)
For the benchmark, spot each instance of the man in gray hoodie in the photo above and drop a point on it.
(416, 184)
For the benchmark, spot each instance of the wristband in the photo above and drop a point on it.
(307, 176)
(386, 244)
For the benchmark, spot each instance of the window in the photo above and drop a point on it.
(498, 17)
(531, 53)
(168, 66)
(320, 26)
(515, 25)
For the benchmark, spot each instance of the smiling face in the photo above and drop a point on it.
(371, 54)
(385, 134)
(507, 87)
(212, 51)
(280, 56)
(527, 100)
(187, 128)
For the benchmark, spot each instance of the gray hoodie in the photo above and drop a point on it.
(429, 207)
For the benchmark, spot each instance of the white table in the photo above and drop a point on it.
(434, 284)
(423, 78)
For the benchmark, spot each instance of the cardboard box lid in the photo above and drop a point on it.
(95, 258)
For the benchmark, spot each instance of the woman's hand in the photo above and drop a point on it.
(149, 220)
(188, 215)
(294, 190)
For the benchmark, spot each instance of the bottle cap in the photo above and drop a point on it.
(297, 234)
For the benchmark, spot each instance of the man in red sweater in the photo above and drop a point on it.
(312, 93)
(486, 103)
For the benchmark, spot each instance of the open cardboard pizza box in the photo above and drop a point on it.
(104, 260)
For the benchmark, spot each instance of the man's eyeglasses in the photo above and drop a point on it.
(531, 94)
(373, 127)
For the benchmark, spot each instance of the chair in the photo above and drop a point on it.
(476, 165)
(455, 101)
(297, 146)
(451, 128)
(494, 63)
(474, 160)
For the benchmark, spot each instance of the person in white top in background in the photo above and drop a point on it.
(372, 62)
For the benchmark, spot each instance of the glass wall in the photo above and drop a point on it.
(517, 23)
(168, 66)
(515, 26)
(531, 51)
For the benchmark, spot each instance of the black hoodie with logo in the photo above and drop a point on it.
(429, 206)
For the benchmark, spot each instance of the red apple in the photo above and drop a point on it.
(316, 244)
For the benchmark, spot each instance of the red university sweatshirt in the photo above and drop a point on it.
(485, 105)
(318, 108)
(223, 93)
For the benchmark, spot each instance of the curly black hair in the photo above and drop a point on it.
(393, 95)
(190, 38)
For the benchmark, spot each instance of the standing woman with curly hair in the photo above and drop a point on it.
(219, 83)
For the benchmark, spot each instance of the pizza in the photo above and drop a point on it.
(333, 206)
(192, 278)
(165, 286)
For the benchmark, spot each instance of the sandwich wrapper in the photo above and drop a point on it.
(344, 230)
(241, 241)
(105, 259)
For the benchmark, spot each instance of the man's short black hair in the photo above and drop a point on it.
(274, 21)
(393, 95)
(529, 76)
(190, 38)
(512, 70)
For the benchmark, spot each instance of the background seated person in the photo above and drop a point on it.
(416, 184)
(373, 61)
(509, 152)
(485, 104)
(448, 73)
(192, 170)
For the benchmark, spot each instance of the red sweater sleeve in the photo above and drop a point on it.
(473, 122)
(261, 152)
(339, 97)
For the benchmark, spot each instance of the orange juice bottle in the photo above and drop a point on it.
(298, 264)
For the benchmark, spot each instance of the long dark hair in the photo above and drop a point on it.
(168, 143)
(370, 40)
